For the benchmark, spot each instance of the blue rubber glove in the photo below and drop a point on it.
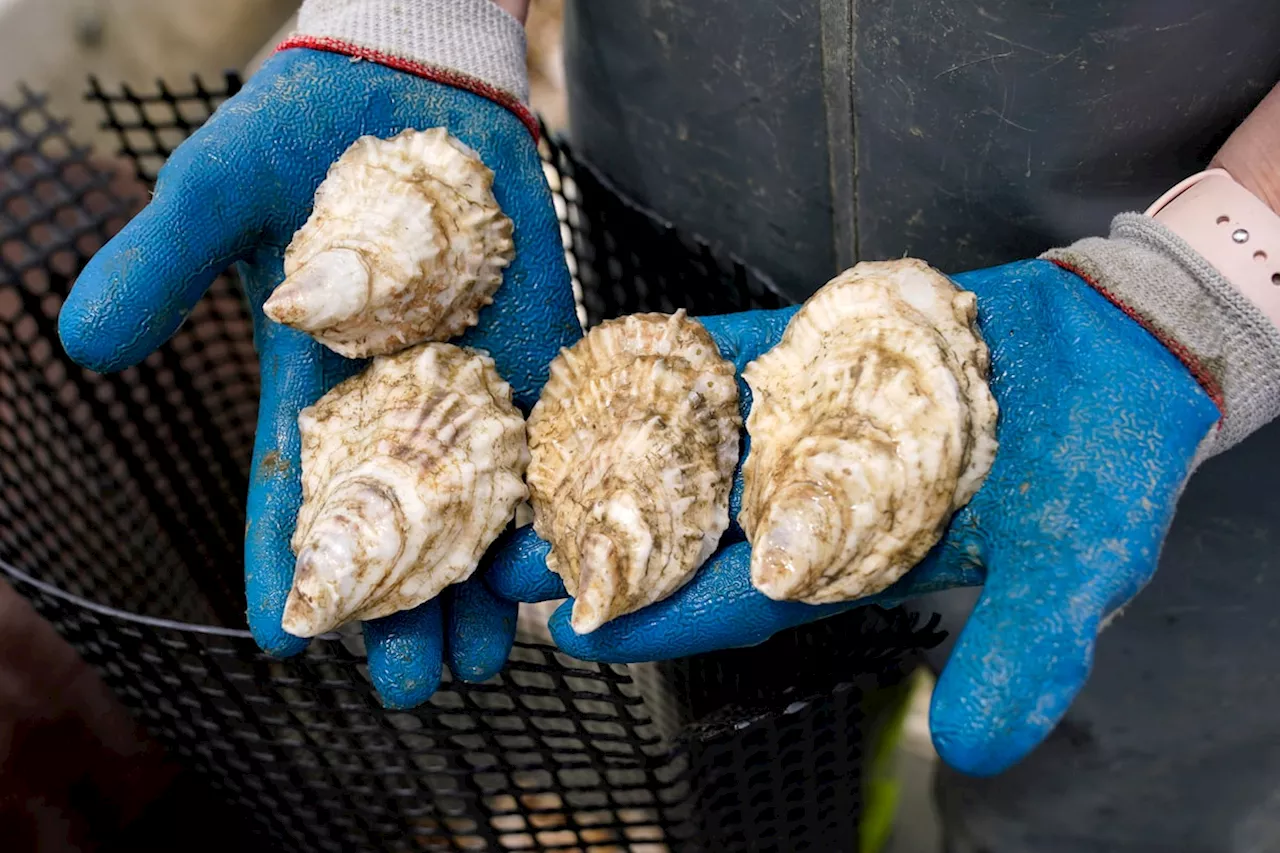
(1098, 428)
(235, 192)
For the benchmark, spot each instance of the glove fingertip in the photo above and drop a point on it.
(998, 699)
(283, 645)
(264, 625)
(977, 746)
(482, 630)
(95, 352)
(961, 747)
(406, 655)
(90, 322)
(569, 641)
(631, 638)
(139, 288)
(408, 693)
(268, 579)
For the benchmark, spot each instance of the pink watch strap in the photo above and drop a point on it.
(1232, 229)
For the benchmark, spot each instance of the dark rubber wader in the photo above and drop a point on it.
(803, 135)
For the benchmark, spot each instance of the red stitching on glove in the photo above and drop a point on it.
(435, 73)
(1206, 379)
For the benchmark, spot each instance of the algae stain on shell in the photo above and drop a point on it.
(871, 424)
(405, 244)
(633, 444)
(410, 470)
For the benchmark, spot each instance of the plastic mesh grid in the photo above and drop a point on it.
(127, 492)
(625, 259)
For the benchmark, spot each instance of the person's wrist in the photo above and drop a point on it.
(1251, 155)
(474, 45)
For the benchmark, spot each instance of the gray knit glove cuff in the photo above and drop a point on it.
(1231, 348)
(469, 44)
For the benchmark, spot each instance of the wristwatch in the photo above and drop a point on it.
(1232, 229)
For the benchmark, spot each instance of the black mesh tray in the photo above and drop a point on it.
(122, 514)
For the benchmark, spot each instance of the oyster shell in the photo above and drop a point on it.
(405, 244)
(410, 470)
(632, 449)
(871, 423)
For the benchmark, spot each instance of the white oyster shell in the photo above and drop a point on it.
(633, 445)
(410, 470)
(871, 423)
(405, 244)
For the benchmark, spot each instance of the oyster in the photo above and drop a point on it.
(632, 449)
(405, 244)
(410, 470)
(871, 423)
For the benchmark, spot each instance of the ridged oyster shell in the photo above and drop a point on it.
(410, 470)
(405, 244)
(633, 445)
(871, 423)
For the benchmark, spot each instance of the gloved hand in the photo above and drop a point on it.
(235, 192)
(1099, 425)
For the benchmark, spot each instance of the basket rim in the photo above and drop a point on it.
(123, 615)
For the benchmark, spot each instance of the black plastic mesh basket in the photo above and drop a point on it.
(121, 518)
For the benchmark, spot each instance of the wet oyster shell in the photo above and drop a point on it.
(410, 470)
(633, 446)
(405, 244)
(871, 423)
